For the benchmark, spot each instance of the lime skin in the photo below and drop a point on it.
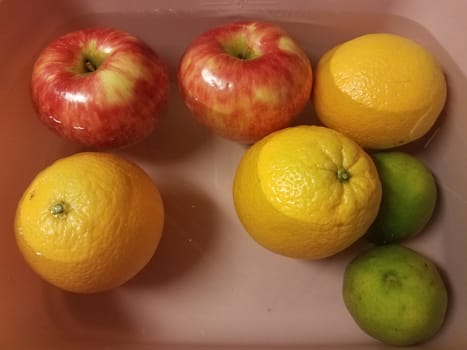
(408, 200)
(395, 295)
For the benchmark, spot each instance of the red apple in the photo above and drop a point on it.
(100, 87)
(244, 80)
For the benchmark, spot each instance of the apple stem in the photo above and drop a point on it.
(89, 66)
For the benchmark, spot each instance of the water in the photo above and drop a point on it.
(209, 283)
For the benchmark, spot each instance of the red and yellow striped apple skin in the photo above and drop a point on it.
(114, 106)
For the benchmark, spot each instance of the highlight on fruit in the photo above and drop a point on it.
(101, 88)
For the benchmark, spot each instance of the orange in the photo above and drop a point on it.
(306, 192)
(89, 222)
(382, 90)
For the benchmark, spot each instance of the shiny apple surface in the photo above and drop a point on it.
(100, 87)
(244, 80)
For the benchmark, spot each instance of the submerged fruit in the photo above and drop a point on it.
(306, 192)
(395, 295)
(408, 201)
(381, 90)
(89, 222)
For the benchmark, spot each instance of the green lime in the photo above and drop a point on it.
(395, 295)
(408, 200)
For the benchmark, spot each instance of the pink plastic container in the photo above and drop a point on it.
(209, 286)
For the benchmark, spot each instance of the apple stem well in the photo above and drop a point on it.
(239, 48)
(92, 60)
(89, 66)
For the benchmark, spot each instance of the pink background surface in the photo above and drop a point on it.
(209, 284)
